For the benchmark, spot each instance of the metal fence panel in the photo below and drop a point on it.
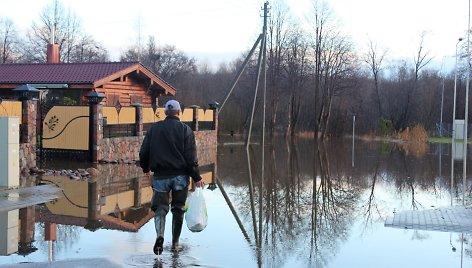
(66, 127)
(10, 108)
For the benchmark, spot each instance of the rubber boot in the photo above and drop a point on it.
(177, 222)
(160, 206)
(160, 224)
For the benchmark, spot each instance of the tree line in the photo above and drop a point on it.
(317, 79)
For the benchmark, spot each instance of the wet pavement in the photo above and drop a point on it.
(24, 197)
(449, 219)
(79, 263)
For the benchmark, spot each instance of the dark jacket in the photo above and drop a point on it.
(169, 149)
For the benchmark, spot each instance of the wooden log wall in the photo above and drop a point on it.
(129, 91)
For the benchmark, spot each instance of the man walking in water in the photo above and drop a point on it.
(169, 151)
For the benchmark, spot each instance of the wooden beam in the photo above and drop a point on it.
(81, 86)
(116, 75)
(10, 86)
(167, 88)
(161, 83)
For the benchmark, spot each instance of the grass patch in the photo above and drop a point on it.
(446, 140)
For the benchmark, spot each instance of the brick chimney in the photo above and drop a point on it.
(52, 55)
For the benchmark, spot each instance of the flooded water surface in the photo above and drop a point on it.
(312, 205)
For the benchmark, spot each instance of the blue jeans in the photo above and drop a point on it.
(178, 185)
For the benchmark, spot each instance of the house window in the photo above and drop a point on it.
(113, 99)
(136, 99)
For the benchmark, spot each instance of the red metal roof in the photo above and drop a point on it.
(59, 73)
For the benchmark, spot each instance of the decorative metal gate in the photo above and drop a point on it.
(66, 128)
(63, 131)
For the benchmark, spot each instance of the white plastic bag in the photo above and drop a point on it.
(196, 215)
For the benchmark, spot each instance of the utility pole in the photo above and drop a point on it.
(264, 89)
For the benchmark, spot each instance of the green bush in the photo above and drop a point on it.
(384, 127)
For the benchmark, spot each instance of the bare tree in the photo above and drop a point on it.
(166, 61)
(297, 69)
(8, 42)
(332, 63)
(374, 59)
(55, 22)
(321, 23)
(339, 62)
(321, 17)
(87, 50)
(276, 46)
(421, 59)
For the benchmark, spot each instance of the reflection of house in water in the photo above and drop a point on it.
(90, 204)
(120, 200)
(111, 203)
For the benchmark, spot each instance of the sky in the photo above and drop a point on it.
(220, 30)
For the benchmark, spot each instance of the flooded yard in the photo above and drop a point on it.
(316, 206)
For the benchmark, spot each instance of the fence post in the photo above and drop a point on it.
(195, 117)
(95, 125)
(26, 237)
(138, 125)
(92, 209)
(214, 107)
(28, 133)
(28, 122)
(137, 182)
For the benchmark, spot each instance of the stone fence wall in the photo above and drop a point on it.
(126, 149)
(119, 149)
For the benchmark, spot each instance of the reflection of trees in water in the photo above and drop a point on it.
(67, 236)
(302, 216)
(370, 205)
(309, 218)
(466, 239)
(333, 205)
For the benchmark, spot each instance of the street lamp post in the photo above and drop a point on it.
(455, 90)
(442, 105)
(453, 139)
(466, 113)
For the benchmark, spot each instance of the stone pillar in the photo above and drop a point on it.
(95, 131)
(27, 220)
(137, 192)
(215, 118)
(26, 236)
(28, 122)
(195, 117)
(28, 133)
(93, 207)
(138, 127)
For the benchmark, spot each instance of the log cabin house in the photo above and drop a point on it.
(123, 83)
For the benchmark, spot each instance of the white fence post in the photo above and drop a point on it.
(10, 155)
(9, 232)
